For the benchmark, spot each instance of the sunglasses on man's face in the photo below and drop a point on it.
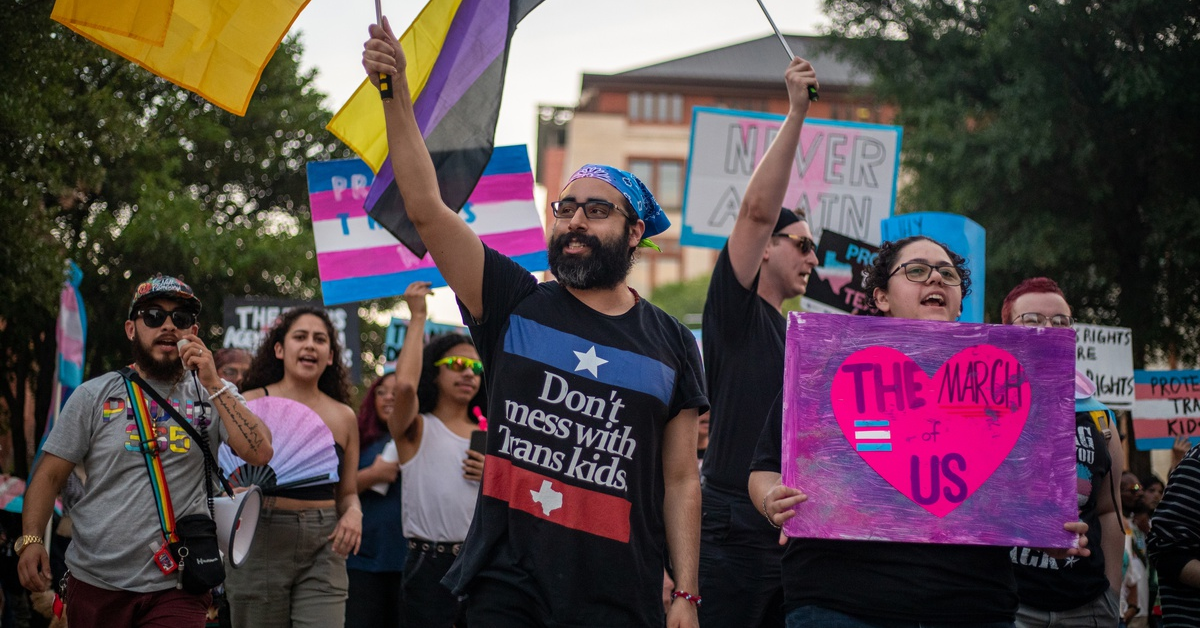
(154, 317)
(458, 364)
(804, 243)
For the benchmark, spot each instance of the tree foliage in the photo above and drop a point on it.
(129, 175)
(1068, 129)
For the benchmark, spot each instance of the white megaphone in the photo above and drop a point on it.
(236, 519)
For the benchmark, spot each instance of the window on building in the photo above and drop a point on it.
(655, 107)
(664, 177)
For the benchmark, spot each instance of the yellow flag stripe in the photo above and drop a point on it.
(359, 123)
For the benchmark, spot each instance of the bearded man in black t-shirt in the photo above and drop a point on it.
(590, 478)
(767, 260)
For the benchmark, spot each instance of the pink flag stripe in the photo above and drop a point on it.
(1166, 428)
(491, 189)
(1145, 392)
(385, 260)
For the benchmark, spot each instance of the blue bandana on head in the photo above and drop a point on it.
(634, 191)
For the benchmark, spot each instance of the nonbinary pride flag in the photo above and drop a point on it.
(216, 48)
(456, 110)
(359, 260)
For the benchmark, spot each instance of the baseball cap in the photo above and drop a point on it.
(162, 287)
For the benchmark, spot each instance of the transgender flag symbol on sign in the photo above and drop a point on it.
(359, 259)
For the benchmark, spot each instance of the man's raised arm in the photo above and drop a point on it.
(455, 249)
(768, 185)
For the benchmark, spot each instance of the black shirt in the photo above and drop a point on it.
(571, 503)
(1057, 585)
(743, 361)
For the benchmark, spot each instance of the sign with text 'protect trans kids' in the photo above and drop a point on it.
(843, 175)
(929, 432)
(358, 259)
(1167, 406)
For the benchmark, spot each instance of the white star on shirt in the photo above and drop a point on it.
(589, 361)
(1069, 561)
(549, 498)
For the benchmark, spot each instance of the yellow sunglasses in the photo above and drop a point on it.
(459, 363)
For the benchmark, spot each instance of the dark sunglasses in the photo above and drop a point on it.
(804, 243)
(154, 317)
(458, 364)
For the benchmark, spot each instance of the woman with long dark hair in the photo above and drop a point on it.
(377, 570)
(295, 574)
(437, 401)
(869, 584)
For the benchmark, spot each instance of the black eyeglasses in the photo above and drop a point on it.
(919, 272)
(804, 243)
(154, 317)
(1037, 319)
(594, 210)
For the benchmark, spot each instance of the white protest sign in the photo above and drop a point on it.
(843, 175)
(1105, 355)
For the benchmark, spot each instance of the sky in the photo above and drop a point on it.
(556, 43)
(552, 48)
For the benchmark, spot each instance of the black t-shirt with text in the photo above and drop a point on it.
(571, 504)
(910, 581)
(1062, 584)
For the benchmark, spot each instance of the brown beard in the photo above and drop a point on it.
(165, 370)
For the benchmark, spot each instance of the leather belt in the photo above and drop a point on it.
(431, 547)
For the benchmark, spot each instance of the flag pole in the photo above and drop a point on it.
(385, 80)
(812, 91)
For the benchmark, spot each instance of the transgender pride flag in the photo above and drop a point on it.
(358, 259)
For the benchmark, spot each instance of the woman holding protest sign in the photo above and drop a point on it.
(295, 574)
(869, 584)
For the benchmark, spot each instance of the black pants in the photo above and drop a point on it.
(375, 599)
(428, 603)
(741, 579)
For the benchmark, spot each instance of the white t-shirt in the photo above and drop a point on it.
(438, 501)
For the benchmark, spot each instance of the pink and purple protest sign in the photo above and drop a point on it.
(929, 432)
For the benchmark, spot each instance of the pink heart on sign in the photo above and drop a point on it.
(935, 440)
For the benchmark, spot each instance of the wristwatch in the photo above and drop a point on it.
(26, 541)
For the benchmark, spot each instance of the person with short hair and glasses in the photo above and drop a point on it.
(768, 259)
(866, 584)
(593, 399)
(1074, 592)
(115, 577)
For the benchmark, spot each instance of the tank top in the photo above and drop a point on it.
(438, 501)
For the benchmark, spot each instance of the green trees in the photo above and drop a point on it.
(128, 175)
(1069, 130)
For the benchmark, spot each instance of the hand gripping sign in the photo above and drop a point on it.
(929, 432)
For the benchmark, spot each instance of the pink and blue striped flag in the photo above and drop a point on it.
(359, 259)
(70, 334)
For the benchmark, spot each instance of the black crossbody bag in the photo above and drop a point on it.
(196, 552)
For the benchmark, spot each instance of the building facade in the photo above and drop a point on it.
(640, 120)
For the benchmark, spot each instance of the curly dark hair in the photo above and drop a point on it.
(370, 427)
(427, 388)
(266, 369)
(881, 270)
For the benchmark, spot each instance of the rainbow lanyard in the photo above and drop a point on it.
(158, 477)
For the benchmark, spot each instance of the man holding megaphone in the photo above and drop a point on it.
(144, 542)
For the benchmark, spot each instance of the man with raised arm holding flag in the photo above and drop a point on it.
(767, 260)
(593, 399)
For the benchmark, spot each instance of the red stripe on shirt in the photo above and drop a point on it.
(579, 509)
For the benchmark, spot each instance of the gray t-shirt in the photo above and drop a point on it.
(116, 520)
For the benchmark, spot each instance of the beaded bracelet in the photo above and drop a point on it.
(224, 389)
(694, 599)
